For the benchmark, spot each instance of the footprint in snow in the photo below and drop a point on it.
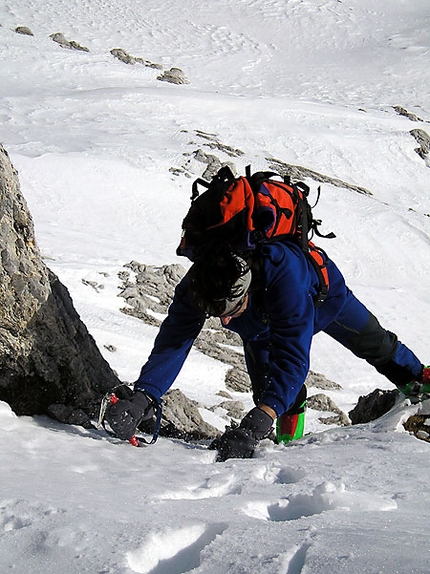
(324, 497)
(276, 475)
(215, 486)
(173, 550)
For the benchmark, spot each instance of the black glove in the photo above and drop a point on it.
(125, 415)
(240, 442)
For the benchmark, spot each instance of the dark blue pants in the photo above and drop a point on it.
(357, 329)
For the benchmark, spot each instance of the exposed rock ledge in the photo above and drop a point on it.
(46, 353)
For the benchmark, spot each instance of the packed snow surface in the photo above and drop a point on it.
(105, 155)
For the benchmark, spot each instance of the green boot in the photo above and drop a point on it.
(291, 426)
(418, 388)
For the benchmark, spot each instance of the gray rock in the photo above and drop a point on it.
(236, 379)
(297, 172)
(174, 76)
(224, 395)
(122, 55)
(235, 409)
(59, 38)
(321, 402)
(404, 112)
(126, 58)
(183, 415)
(24, 30)
(212, 141)
(150, 292)
(319, 381)
(214, 164)
(423, 140)
(47, 355)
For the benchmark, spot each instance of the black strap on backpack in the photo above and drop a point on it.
(219, 183)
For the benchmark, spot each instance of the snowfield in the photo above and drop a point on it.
(106, 156)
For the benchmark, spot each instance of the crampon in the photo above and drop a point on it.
(112, 397)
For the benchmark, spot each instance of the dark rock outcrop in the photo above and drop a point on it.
(47, 355)
(373, 406)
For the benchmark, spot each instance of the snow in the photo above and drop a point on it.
(309, 82)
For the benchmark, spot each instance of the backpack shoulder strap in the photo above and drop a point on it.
(223, 177)
(257, 178)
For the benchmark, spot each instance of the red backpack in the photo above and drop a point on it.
(247, 211)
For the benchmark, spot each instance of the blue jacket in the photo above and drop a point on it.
(282, 326)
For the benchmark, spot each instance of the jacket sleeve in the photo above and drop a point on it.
(290, 286)
(172, 344)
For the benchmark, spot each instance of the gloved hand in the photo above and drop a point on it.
(125, 415)
(240, 442)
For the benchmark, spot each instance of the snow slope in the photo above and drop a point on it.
(309, 82)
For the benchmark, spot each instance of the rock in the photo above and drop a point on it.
(319, 381)
(423, 140)
(373, 406)
(214, 164)
(225, 395)
(68, 415)
(419, 426)
(59, 38)
(174, 76)
(47, 355)
(212, 141)
(183, 416)
(237, 379)
(123, 56)
(404, 112)
(297, 172)
(24, 30)
(151, 292)
(321, 402)
(235, 409)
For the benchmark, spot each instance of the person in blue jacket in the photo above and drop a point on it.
(268, 298)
